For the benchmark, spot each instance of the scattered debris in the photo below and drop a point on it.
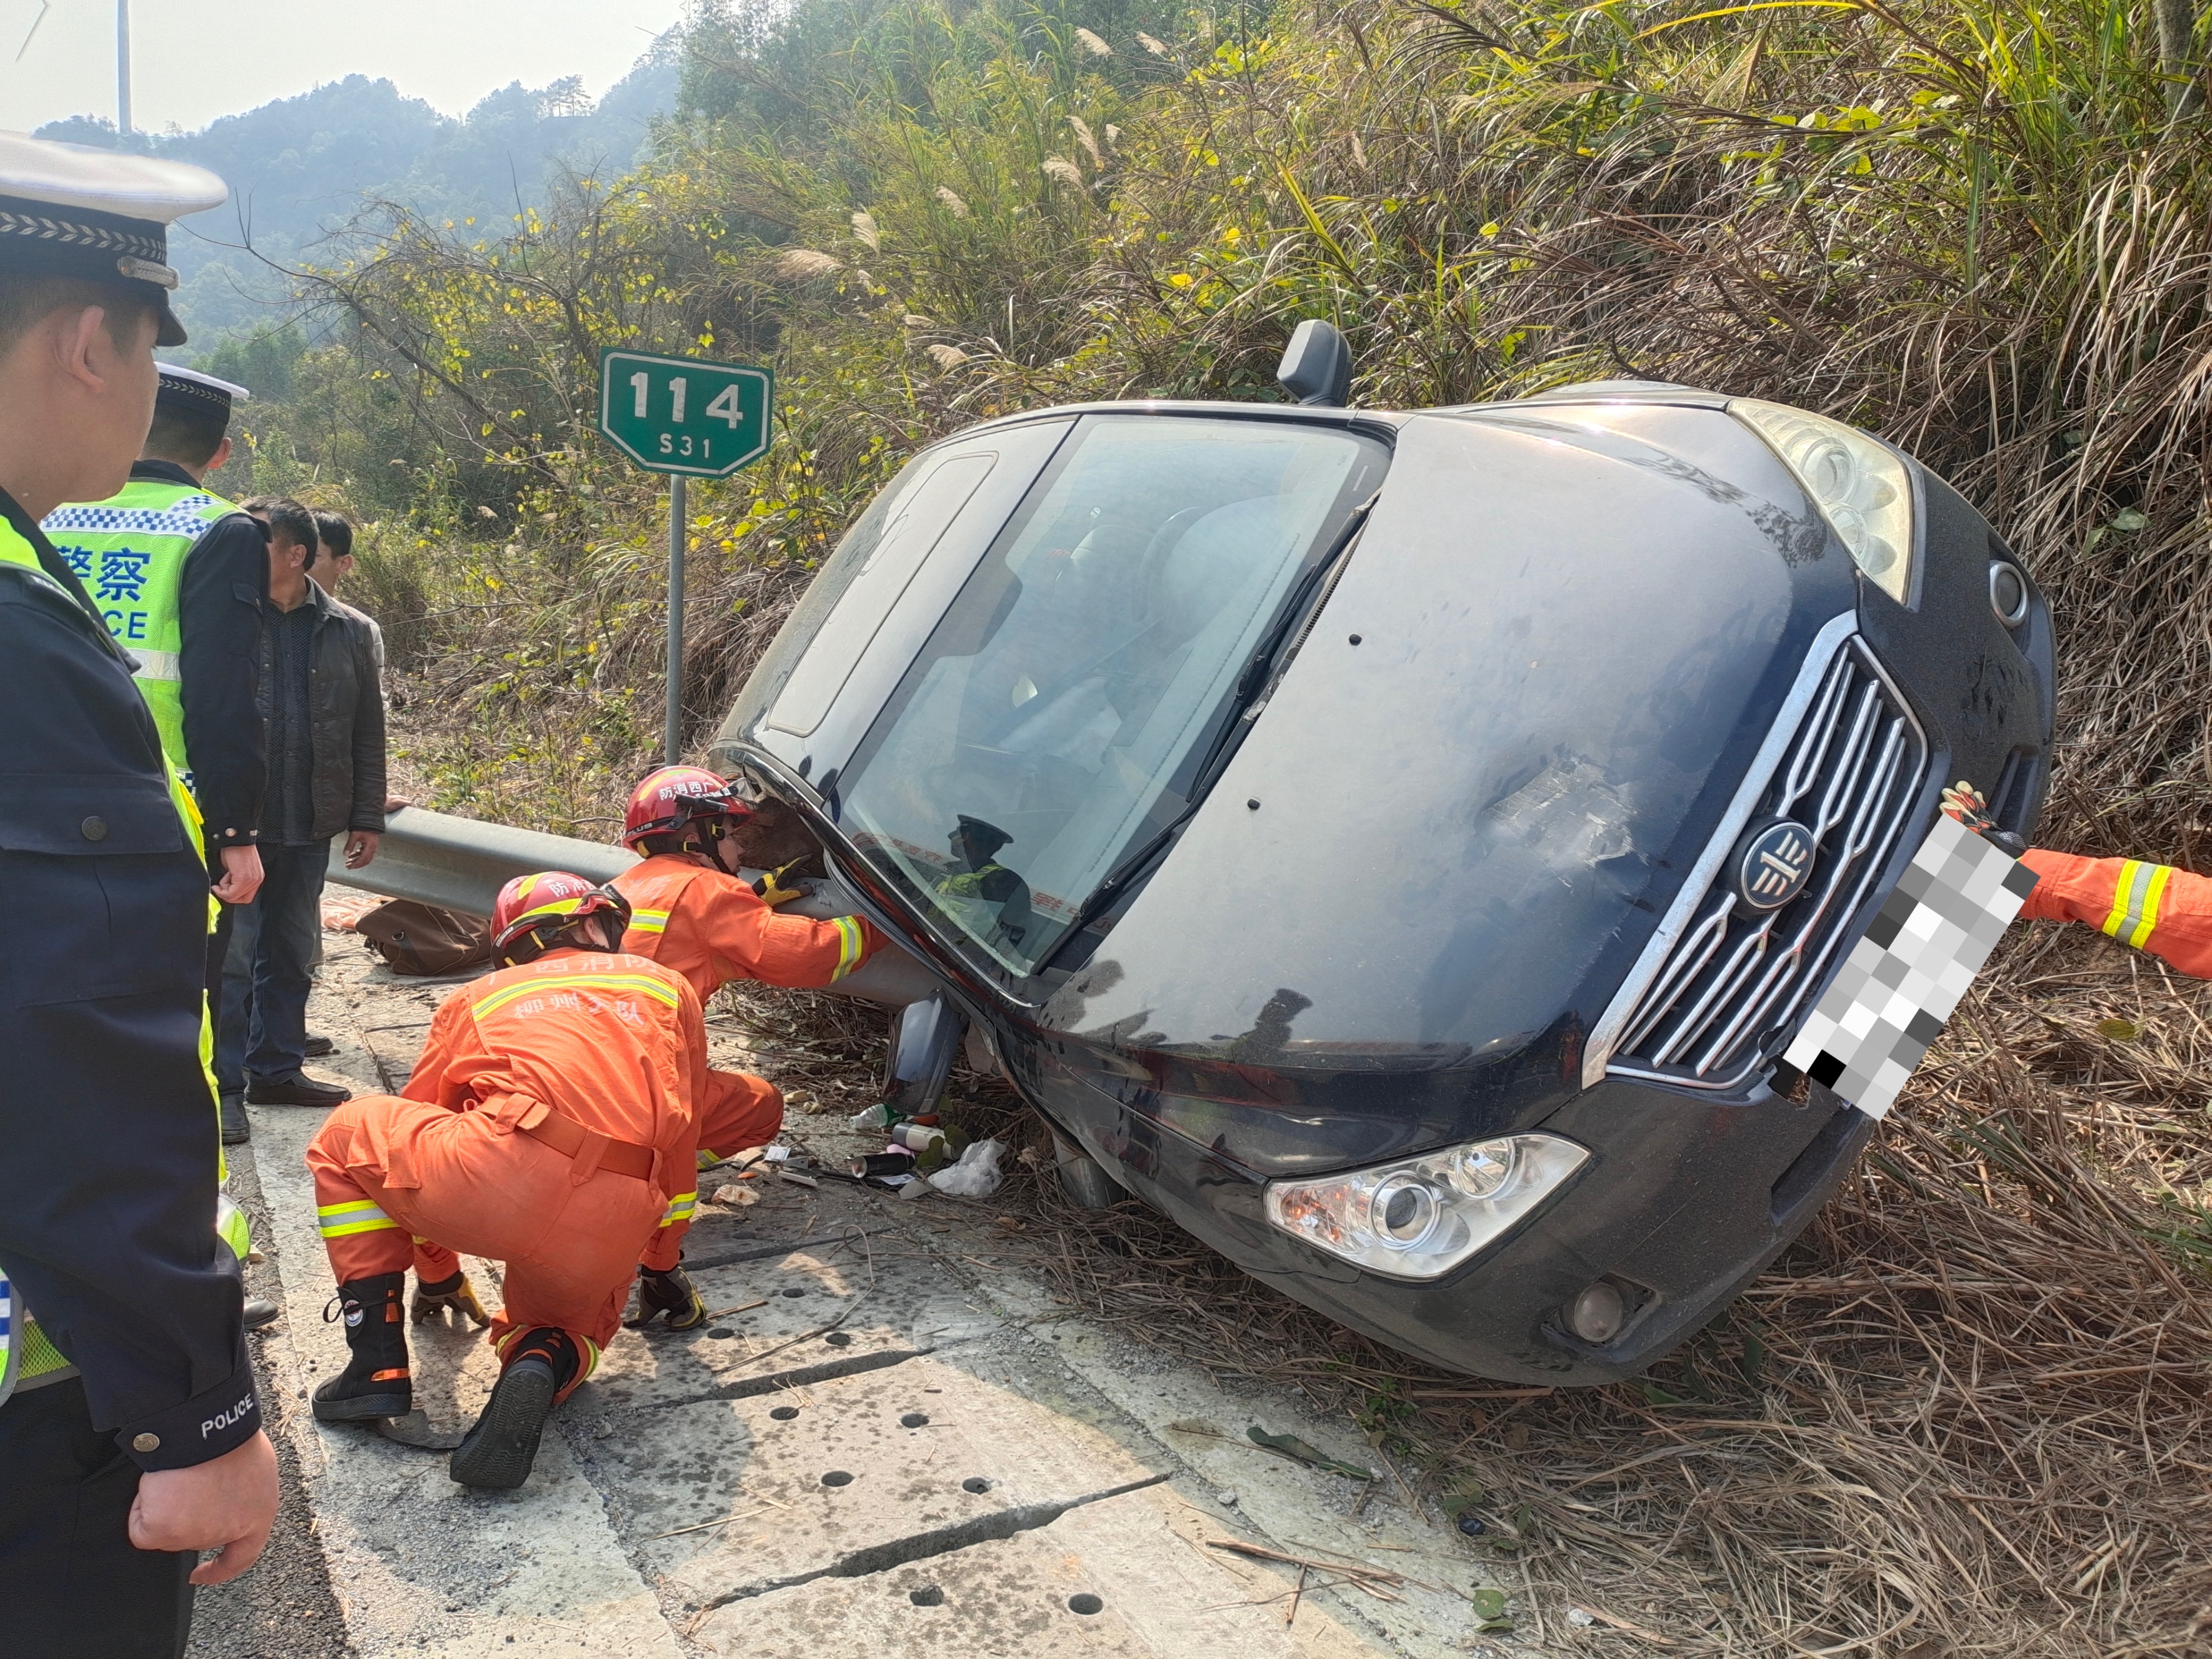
(1290, 1446)
(976, 1174)
(1490, 1611)
(1373, 1580)
(415, 1430)
(1227, 1498)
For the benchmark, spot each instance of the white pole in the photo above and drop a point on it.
(123, 66)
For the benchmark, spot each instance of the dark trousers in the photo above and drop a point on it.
(265, 977)
(71, 1587)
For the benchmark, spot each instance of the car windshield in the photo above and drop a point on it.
(1058, 715)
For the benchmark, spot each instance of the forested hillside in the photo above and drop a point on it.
(301, 170)
(1957, 1421)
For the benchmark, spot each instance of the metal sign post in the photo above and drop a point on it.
(690, 419)
(671, 743)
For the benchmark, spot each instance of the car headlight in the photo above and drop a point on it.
(1421, 1217)
(1861, 488)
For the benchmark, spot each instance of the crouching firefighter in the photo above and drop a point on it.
(692, 913)
(549, 1126)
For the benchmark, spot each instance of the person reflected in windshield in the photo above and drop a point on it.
(980, 879)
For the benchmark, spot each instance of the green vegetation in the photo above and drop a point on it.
(1982, 228)
(1973, 225)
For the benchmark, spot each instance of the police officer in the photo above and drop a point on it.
(130, 1432)
(179, 575)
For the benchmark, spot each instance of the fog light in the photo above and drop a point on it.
(1418, 1217)
(1596, 1315)
(2007, 592)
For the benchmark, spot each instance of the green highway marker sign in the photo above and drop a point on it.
(684, 416)
(690, 419)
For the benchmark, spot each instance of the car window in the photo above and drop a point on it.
(1054, 719)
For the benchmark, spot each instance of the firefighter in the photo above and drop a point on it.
(2151, 907)
(130, 1430)
(547, 1125)
(691, 911)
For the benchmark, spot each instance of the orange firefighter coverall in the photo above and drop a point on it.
(712, 927)
(2153, 907)
(616, 1045)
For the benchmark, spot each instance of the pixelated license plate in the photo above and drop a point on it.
(1904, 978)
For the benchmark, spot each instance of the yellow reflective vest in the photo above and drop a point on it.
(130, 551)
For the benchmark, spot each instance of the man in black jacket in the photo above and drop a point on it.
(130, 1431)
(322, 704)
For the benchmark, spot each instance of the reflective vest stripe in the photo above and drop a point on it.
(850, 942)
(343, 1220)
(158, 666)
(2135, 898)
(649, 921)
(553, 984)
(679, 1208)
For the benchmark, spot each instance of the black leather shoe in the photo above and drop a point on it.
(301, 1091)
(318, 1045)
(236, 1130)
(259, 1311)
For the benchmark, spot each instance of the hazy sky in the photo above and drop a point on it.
(193, 60)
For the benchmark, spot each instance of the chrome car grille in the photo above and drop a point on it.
(1718, 989)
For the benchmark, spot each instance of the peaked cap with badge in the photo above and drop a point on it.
(72, 211)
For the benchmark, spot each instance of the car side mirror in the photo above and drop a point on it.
(925, 1036)
(1316, 365)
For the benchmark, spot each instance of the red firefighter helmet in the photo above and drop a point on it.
(671, 798)
(531, 909)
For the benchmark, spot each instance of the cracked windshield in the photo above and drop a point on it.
(1062, 709)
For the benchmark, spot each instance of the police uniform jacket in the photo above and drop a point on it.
(108, 1154)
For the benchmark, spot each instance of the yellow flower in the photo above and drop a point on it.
(1180, 279)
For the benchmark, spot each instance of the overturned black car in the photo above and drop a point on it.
(1400, 846)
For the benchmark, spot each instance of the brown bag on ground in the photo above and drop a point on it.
(425, 942)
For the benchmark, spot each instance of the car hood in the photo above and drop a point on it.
(1511, 729)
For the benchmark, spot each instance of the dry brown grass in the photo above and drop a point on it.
(1967, 1413)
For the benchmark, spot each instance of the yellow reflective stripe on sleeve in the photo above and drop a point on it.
(679, 1208)
(850, 942)
(554, 984)
(649, 921)
(707, 1160)
(2135, 902)
(340, 1220)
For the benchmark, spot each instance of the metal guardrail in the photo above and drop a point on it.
(460, 864)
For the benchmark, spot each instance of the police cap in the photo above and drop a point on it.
(71, 210)
(189, 389)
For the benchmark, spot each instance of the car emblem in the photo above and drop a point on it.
(1774, 865)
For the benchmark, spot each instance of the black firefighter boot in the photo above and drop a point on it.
(376, 1381)
(497, 1453)
(672, 1293)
